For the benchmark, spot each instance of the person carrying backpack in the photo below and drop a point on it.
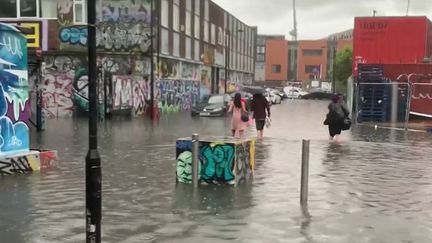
(337, 118)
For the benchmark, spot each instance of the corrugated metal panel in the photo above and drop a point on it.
(389, 40)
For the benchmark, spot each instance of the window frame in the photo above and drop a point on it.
(276, 68)
(18, 11)
(84, 11)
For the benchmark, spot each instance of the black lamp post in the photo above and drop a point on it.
(334, 69)
(227, 53)
(93, 160)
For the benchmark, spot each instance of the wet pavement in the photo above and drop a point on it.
(374, 186)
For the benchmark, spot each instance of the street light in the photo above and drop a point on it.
(227, 55)
(93, 160)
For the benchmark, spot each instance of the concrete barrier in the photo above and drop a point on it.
(222, 160)
(27, 162)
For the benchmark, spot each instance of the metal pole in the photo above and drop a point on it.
(195, 159)
(227, 52)
(408, 108)
(152, 111)
(334, 68)
(93, 161)
(304, 172)
(394, 103)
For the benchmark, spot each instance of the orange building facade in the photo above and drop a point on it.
(276, 56)
(312, 60)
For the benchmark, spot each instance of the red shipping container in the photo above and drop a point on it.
(420, 78)
(391, 40)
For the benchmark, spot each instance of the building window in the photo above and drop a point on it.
(220, 36)
(188, 48)
(260, 58)
(197, 27)
(176, 44)
(49, 8)
(260, 49)
(189, 5)
(164, 13)
(197, 7)
(19, 8)
(206, 9)
(213, 34)
(276, 68)
(188, 23)
(312, 52)
(314, 69)
(80, 12)
(206, 31)
(197, 50)
(165, 41)
(176, 17)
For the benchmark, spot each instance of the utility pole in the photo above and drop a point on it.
(152, 79)
(227, 53)
(93, 160)
(408, 7)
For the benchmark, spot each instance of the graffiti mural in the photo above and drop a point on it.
(123, 37)
(190, 72)
(122, 92)
(217, 162)
(57, 94)
(227, 161)
(169, 69)
(184, 161)
(73, 35)
(205, 81)
(175, 95)
(141, 95)
(129, 11)
(19, 165)
(14, 96)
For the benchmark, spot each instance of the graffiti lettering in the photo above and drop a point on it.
(57, 95)
(217, 162)
(12, 166)
(74, 35)
(175, 96)
(141, 94)
(123, 37)
(122, 92)
(126, 11)
(12, 45)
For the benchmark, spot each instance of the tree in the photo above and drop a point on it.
(343, 69)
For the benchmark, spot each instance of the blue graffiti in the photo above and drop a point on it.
(217, 163)
(74, 35)
(14, 132)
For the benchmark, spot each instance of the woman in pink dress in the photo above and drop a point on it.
(237, 107)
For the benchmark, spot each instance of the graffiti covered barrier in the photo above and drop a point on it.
(14, 94)
(222, 160)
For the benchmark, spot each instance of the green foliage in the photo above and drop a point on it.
(343, 69)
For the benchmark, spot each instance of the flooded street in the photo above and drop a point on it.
(374, 186)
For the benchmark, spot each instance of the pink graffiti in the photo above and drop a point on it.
(141, 93)
(57, 95)
(122, 92)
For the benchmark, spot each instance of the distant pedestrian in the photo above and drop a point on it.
(337, 117)
(238, 108)
(259, 107)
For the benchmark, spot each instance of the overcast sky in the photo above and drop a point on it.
(316, 18)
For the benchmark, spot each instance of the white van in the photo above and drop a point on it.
(294, 92)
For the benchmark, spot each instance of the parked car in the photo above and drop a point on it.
(294, 92)
(318, 94)
(212, 105)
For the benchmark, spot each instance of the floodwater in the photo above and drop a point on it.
(374, 186)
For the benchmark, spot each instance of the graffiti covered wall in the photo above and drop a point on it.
(14, 94)
(227, 162)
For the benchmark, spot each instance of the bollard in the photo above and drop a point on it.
(195, 159)
(304, 173)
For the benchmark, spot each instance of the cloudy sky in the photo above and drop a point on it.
(316, 18)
